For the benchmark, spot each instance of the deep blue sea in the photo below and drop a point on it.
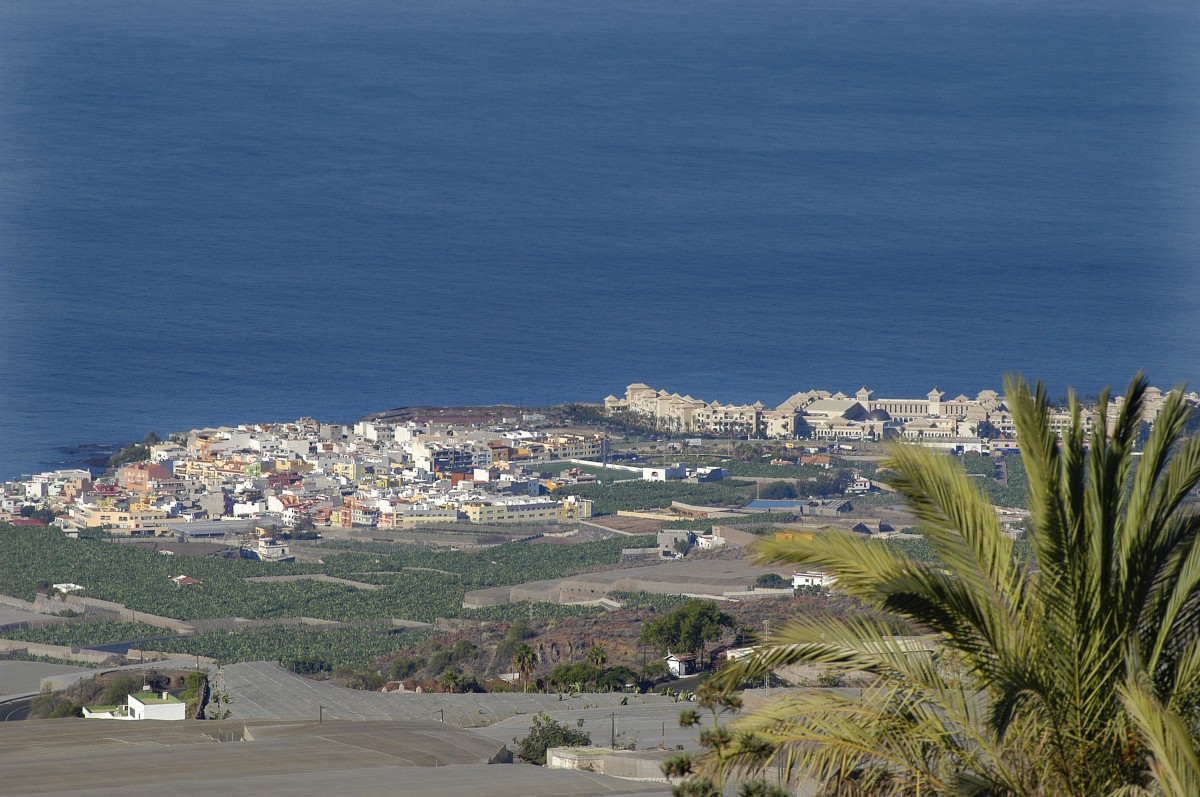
(229, 211)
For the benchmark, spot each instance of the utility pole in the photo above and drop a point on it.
(612, 745)
(767, 626)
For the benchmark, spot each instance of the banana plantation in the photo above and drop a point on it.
(413, 583)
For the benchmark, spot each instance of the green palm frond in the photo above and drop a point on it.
(1050, 504)
(926, 593)
(1173, 761)
(1184, 685)
(1069, 675)
(858, 643)
(890, 728)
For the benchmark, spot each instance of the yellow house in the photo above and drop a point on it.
(574, 508)
(196, 469)
(348, 469)
(793, 536)
(136, 521)
(519, 511)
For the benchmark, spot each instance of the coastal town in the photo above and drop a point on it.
(499, 466)
(308, 474)
(502, 568)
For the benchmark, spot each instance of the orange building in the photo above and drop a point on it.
(137, 476)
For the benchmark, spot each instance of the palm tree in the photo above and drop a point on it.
(1074, 670)
(597, 656)
(450, 679)
(523, 659)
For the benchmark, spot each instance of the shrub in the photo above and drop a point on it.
(546, 733)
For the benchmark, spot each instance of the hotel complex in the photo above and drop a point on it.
(961, 423)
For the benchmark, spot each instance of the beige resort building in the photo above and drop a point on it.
(818, 414)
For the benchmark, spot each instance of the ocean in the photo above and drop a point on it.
(225, 212)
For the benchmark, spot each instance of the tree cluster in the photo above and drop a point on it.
(134, 452)
(687, 629)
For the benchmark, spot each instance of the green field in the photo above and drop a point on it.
(316, 648)
(758, 523)
(640, 495)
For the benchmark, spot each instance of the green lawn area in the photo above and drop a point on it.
(639, 495)
(600, 472)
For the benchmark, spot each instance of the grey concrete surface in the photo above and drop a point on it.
(262, 690)
(362, 759)
(643, 725)
(10, 615)
(22, 677)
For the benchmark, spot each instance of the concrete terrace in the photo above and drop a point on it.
(25, 677)
(263, 690)
(235, 759)
(703, 577)
(644, 725)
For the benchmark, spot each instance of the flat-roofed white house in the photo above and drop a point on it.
(811, 578)
(664, 473)
(142, 706)
(709, 541)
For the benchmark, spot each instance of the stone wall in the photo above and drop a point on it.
(54, 651)
(109, 610)
(17, 603)
(159, 655)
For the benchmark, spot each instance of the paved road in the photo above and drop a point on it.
(123, 647)
(16, 710)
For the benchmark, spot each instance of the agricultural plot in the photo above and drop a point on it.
(298, 649)
(416, 583)
(413, 582)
